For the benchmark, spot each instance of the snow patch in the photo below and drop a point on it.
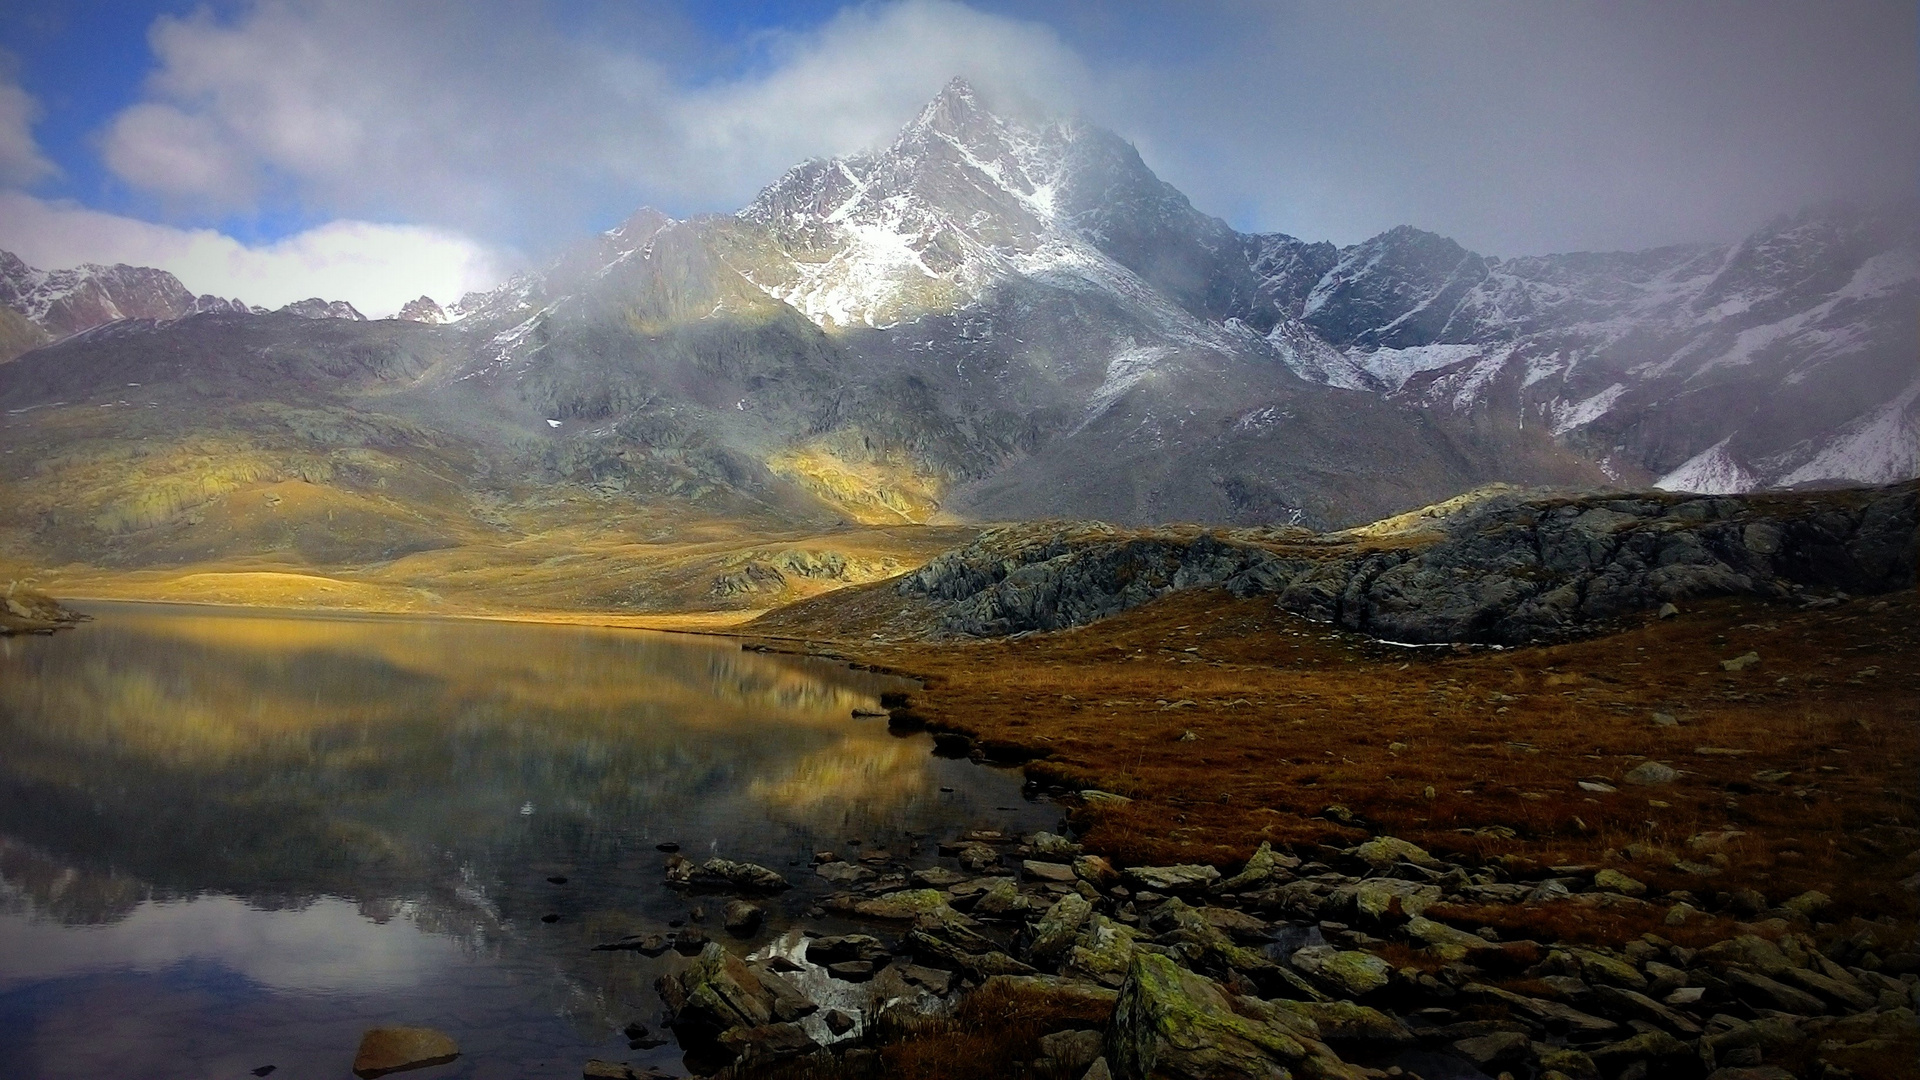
(1880, 447)
(1564, 417)
(1712, 471)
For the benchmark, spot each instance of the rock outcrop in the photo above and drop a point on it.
(1508, 569)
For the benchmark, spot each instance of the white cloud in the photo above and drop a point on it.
(485, 117)
(20, 159)
(161, 149)
(375, 267)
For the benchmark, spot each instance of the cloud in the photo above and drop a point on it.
(20, 159)
(375, 267)
(487, 117)
(161, 149)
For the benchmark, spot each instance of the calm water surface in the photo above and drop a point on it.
(232, 839)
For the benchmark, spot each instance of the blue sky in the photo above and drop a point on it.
(280, 147)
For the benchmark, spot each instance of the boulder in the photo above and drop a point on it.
(742, 918)
(743, 875)
(978, 857)
(845, 873)
(1770, 994)
(1346, 974)
(1052, 846)
(1096, 871)
(769, 1042)
(1384, 851)
(1344, 1021)
(1382, 899)
(1171, 1024)
(1611, 880)
(1058, 928)
(904, 904)
(1651, 774)
(1069, 995)
(719, 992)
(1172, 879)
(1036, 870)
(1072, 1051)
(1260, 869)
(396, 1049)
(1494, 1048)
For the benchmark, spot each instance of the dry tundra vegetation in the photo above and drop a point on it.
(1228, 723)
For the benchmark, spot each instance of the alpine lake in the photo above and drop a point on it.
(233, 839)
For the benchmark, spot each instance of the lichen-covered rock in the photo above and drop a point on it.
(1172, 879)
(1383, 851)
(719, 992)
(1347, 974)
(904, 904)
(743, 875)
(1344, 1021)
(1386, 898)
(1260, 869)
(1171, 1024)
(1054, 934)
(1611, 880)
(1104, 950)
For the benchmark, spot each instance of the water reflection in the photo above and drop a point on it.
(208, 806)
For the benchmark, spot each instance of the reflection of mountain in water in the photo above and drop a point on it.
(371, 758)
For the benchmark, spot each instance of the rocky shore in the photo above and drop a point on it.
(25, 611)
(1375, 960)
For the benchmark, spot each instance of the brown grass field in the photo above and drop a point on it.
(1229, 723)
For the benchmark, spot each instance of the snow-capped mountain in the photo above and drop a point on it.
(57, 304)
(998, 316)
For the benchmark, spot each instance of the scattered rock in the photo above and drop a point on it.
(1741, 662)
(1496, 1048)
(1384, 851)
(397, 1049)
(1651, 774)
(741, 918)
(1059, 927)
(1172, 879)
(1611, 880)
(1171, 1024)
(1047, 871)
(1073, 1050)
(1347, 974)
(838, 1022)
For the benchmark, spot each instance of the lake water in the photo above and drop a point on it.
(232, 839)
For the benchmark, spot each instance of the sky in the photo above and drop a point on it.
(375, 150)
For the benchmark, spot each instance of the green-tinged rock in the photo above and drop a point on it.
(1002, 899)
(905, 904)
(1549, 1012)
(1087, 999)
(1171, 1024)
(1383, 851)
(1259, 870)
(1385, 898)
(1098, 798)
(1613, 880)
(1172, 879)
(1052, 846)
(1348, 974)
(1057, 929)
(1809, 904)
(939, 952)
(1494, 1048)
(1652, 1047)
(1344, 1021)
(1599, 967)
(1448, 943)
(397, 1049)
(1572, 1064)
(1651, 774)
(744, 875)
(1747, 950)
(714, 993)
(1188, 925)
(1103, 950)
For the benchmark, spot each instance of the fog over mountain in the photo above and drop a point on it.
(991, 317)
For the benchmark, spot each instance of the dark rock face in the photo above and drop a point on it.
(1508, 571)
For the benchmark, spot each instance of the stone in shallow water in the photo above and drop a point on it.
(396, 1049)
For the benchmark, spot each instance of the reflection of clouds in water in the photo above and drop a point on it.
(326, 945)
(853, 773)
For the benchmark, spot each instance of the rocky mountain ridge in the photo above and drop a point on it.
(999, 317)
(38, 307)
